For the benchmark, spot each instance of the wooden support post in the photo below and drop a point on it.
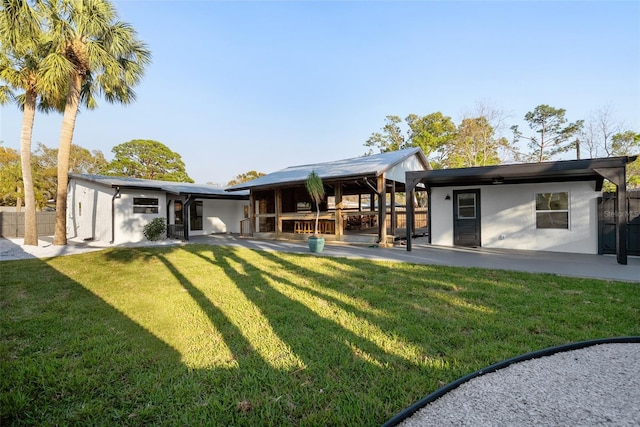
(252, 212)
(382, 209)
(278, 203)
(618, 177)
(409, 217)
(621, 223)
(339, 223)
(394, 219)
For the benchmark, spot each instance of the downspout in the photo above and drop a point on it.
(116, 195)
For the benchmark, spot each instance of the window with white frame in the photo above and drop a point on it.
(552, 210)
(466, 206)
(145, 205)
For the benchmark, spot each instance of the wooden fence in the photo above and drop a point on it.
(12, 224)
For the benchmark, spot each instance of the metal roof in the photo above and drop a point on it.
(558, 171)
(178, 188)
(365, 166)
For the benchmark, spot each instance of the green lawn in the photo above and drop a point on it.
(210, 335)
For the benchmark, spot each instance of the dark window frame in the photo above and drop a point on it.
(145, 205)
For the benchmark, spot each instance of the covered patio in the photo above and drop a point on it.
(365, 200)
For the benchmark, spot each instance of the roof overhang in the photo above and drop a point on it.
(560, 171)
(174, 188)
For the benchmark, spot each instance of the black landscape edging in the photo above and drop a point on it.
(397, 419)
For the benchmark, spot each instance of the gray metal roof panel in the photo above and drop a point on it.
(373, 165)
(178, 188)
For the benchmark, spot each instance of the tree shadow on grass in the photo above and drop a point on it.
(352, 366)
(306, 341)
(67, 357)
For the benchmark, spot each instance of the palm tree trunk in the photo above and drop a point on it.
(30, 225)
(64, 149)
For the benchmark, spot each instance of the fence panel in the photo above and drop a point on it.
(12, 224)
(607, 223)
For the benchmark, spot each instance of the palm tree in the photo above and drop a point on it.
(105, 58)
(315, 188)
(24, 46)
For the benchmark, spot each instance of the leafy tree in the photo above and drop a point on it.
(245, 177)
(23, 49)
(627, 144)
(431, 133)
(81, 160)
(99, 55)
(554, 135)
(390, 138)
(474, 145)
(147, 159)
(11, 187)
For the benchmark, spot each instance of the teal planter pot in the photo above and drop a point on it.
(316, 244)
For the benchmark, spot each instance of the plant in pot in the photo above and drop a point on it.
(315, 188)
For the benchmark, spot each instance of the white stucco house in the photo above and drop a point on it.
(115, 209)
(548, 206)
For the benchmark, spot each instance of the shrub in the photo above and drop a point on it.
(155, 229)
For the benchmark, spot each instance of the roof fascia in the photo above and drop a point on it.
(562, 171)
(298, 183)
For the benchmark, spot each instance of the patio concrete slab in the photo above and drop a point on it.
(564, 264)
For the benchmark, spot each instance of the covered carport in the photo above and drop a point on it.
(612, 169)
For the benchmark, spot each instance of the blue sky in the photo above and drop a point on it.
(261, 85)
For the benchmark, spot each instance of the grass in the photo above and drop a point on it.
(209, 335)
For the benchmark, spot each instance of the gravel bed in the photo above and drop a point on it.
(596, 385)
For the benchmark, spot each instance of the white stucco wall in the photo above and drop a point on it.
(221, 216)
(508, 217)
(130, 225)
(89, 211)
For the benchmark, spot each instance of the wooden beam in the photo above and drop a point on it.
(615, 175)
(412, 181)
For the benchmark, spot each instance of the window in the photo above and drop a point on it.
(145, 205)
(195, 216)
(466, 206)
(178, 212)
(303, 207)
(552, 210)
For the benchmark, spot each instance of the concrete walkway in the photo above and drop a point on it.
(576, 265)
